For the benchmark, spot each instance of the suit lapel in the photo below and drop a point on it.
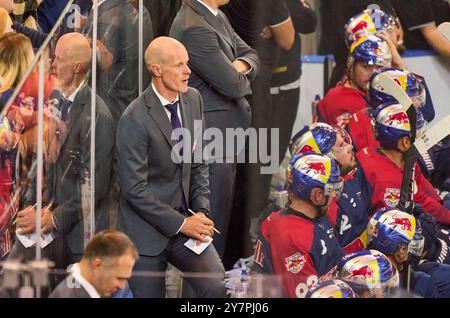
(158, 114)
(222, 30)
(186, 116)
(75, 110)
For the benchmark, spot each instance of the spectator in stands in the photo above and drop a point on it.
(5, 20)
(25, 12)
(16, 55)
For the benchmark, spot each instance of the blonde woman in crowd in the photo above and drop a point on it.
(16, 55)
(18, 133)
(5, 21)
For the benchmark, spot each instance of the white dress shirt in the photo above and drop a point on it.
(76, 273)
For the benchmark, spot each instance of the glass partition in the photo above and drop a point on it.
(59, 183)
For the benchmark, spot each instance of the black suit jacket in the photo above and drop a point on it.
(212, 48)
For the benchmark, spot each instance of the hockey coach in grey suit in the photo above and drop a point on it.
(156, 189)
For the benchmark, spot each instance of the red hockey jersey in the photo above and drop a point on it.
(385, 179)
(339, 104)
(302, 251)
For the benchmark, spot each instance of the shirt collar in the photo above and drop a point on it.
(164, 101)
(71, 98)
(215, 12)
(291, 211)
(76, 273)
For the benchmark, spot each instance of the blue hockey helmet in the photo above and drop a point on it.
(334, 288)
(370, 50)
(310, 170)
(370, 21)
(405, 79)
(319, 138)
(368, 270)
(388, 228)
(391, 123)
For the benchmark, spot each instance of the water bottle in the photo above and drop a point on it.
(241, 288)
(314, 104)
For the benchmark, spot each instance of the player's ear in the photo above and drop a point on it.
(404, 143)
(317, 196)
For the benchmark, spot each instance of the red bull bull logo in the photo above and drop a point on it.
(361, 26)
(400, 117)
(365, 272)
(317, 167)
(307, 148)
(404, 223)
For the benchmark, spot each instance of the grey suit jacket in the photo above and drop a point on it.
(152, 184)
(64, 291)
(118, 31)
(212, 48)
(66, 177)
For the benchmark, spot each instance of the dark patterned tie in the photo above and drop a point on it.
(64, 108)
(175, 122)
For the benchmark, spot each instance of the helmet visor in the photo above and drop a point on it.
(337, 187)
(415, 247)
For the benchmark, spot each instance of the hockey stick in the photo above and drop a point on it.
(444, 29)
(428, 139)
(389, 86)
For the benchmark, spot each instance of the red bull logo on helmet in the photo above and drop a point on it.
(307, 148)
(404, 223)
(307, 144)
(400, 80)
(399, 118)
(317, 167)
(364, 272)
(361, 26)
